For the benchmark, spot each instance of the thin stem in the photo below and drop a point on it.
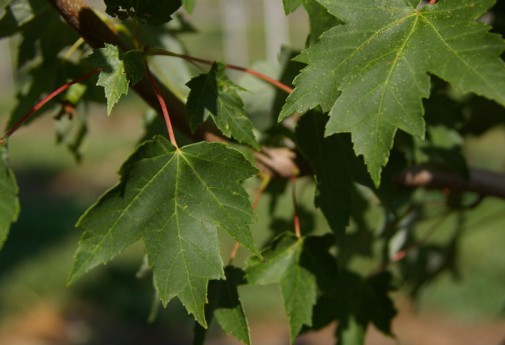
(192, 59)
(402, 254)
(265, 180)
(163, 106)
(46, 99)
(296, 217)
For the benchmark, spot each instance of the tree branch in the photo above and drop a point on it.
(96, 33)
(277, 162)
(482, 182)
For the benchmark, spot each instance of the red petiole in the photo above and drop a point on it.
(163, 106)
(192, 59)
(46, 99)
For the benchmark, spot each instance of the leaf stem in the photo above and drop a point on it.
(192, 59)
(163, 106)
(46, 99)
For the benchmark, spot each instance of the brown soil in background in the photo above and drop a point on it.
(46, 324)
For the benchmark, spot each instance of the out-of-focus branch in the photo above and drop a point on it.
(482, 182)
(277, 162)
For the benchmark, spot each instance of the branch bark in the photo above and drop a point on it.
(482, 182)
(278, 162)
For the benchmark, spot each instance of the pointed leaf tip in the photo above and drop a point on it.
(371, 74)
(175, 200)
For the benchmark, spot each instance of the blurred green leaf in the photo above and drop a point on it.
(329, 158)
(9, 203)
(224, 304)
(298, 285)
(291, 5)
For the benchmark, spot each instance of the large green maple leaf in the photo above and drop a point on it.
(175, 200)
(371, 74)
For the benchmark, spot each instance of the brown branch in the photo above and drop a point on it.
(277, 162)
(482, 182)
(96, 33)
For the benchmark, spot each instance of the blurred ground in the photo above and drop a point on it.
(46, 324)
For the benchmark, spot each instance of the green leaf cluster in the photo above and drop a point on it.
(371, 73)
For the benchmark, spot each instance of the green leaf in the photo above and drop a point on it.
(175, 200)
(371, 74)
(151, 12)
(298, 285)
(118, 70)
(189, 5)
(41, 28)
(224, 304)
(319, 18)
(216, 95)
(363, 301)
(291, 5)
(9, 203)
(328, 157)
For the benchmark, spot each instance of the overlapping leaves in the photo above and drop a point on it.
(118, 70)
(175, 200)
(371, 74)
(225, 306)
(215, 95)
(329, 158)
(282, 265)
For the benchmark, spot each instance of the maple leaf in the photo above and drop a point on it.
(291, 5)
(175, 200)
(333, 176)
(216, 95)
(371, 74)
(224, 304)
(152, 12)
(118, 70)
(9, 203)
(298, 285)
(189, 5)
(363, 301)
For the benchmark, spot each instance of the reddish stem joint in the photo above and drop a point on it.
(46, 99)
